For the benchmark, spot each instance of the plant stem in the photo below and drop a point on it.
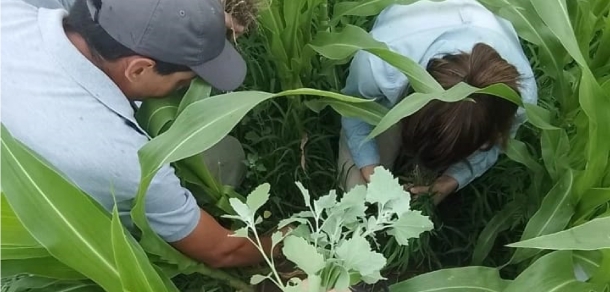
(259, 246)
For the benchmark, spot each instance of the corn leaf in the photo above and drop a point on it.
(592, 235)
(137, 273)
(370, 112)
(553, 216)
(40, 284)
(591, 200)
(500, 222)
(417, 100)
(52, 209)
(552, 272)
(48, 267)
(13, 232)
(23, 252)
(471, 279)
(363, 8)
(344, 44)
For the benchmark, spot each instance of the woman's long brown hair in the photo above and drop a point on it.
(444, 133)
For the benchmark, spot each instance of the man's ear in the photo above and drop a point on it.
(138, 67)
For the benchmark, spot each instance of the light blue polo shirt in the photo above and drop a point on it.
(422, 31)
(68, 111)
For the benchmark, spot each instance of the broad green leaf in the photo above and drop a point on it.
(593, 235)
(589, 202)
(539, 117)
(40, 284)
(258, 197)
(198, 90)
(487, 238)
(23, 252)
(43, 200)
(137, 273)
(156, 115)
(555, 150)
(303, 254)
(13, 231)
(356, 255)
(554, 215)
(45, 267)
(370, 113)
(416, 101)
(467, 279)
(410, 225)
(552, 272)
(344, 44)
(364, 7)
(588, 261)
(518, 152)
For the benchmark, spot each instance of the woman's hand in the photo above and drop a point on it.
(442, 187)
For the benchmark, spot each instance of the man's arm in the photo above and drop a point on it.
(213, 245)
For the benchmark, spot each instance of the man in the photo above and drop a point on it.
(67, 90)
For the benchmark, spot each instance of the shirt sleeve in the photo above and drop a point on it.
(372, 78)
(481, 161)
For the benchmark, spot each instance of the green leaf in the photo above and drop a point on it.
(552, 272)
(13, 231)
(45, 267)
(344, 44)
(303, 254)
(137, 273)
(592, 235)
(539, 117)
(410, 225)
(500, 222)
(467, 279)
(589, 202)
(370, 113)
(242, 210)
(39, 284)
(23, 252)
(43, 200)
(357, 255)
(198, 90)
(553, 216)
(416, 101)
(258, 197)
(363, 7)
(156, 115)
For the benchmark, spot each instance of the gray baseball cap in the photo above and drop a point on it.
(183, 32)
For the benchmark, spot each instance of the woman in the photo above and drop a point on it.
(457, 41)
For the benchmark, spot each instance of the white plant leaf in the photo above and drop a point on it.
(410, 225)
(324, 202)
(276, 237)
(303, 254)
(400, 205)
(357, 255)
(257, 279)
(258, 197)
(384, 187)
(242, 210)
(242, 232)
(352, 204)
(372, 278)
(305, 193)
(291, 220)
(342, 283)
(304, 214)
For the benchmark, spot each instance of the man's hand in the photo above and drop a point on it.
(234, 25)
(367, 171)
(442, 187)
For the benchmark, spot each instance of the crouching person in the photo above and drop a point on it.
(456, 41)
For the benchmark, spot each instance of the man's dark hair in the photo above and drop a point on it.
(101, 43)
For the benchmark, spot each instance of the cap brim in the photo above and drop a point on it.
(225, 72)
